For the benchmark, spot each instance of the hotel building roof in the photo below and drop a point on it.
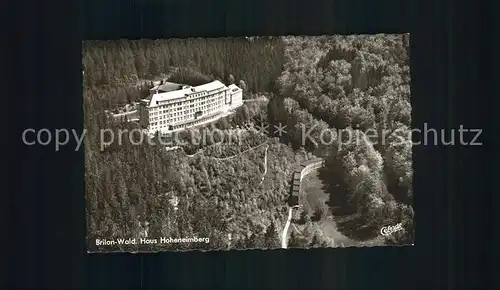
(234, 87)
(167, 87)
(176, 94)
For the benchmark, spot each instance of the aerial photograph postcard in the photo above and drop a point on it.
(271, 142)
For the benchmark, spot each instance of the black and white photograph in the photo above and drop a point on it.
(272, 142)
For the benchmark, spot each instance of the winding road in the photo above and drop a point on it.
(284, 239)
(192, 155)
(233, 156)
(284, 234)
(125, 114)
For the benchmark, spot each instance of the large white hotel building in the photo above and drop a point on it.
(173, 107)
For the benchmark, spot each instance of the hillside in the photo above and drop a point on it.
(351, 83)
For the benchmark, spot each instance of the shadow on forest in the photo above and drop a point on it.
(349, 222)
(337, 194)
(356, 228)
(399, 192)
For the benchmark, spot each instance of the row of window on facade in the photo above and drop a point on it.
(203, 104)
(186, 113)
(197, 95)
(183, 102)
(171, 127)
(192, 114)
(192, 98)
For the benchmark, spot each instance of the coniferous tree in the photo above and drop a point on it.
(297, 240)
(230, 79)
(358, 84)
(140, 64)
(271, 239)
(153, 68)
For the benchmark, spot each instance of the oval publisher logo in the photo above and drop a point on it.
(387, 231)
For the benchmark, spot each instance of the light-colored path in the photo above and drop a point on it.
(125, 114)
(284, 238)
(192, 155)
(284, 235)
(236, 155)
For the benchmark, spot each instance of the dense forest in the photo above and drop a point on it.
(355, 84)
(342, 82)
